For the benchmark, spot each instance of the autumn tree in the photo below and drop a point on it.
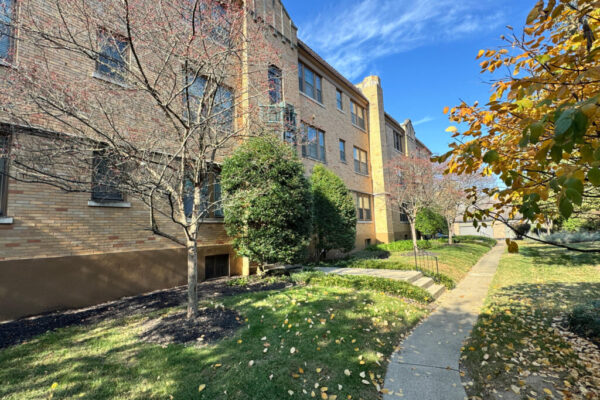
(138, 98)
(412, 187)
(539, 132)
(456, 193)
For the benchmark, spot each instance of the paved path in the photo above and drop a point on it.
(427, 368)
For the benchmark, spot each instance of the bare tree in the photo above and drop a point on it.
(454, 194)
(412, 187)
(138, 97)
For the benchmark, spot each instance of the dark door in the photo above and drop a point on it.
(217, 266)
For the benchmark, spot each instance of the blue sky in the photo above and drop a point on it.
(424, 50)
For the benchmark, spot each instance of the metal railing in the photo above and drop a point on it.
(426, 261)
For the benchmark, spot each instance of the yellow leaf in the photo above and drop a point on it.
(446, 109)
(480, 54)
(54, 385)
(201, 387)
(452, 129)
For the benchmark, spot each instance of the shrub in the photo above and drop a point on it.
(267, 202)
(585, 319)
(429, 222)
(407, 245)
(334, 212)
(397, 288)
(522, 230)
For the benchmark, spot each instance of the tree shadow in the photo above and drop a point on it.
(559, 257)
(108, 359)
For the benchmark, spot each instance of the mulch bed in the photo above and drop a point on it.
(210, 325)
(22, 330)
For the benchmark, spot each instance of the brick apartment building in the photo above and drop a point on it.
(62, 250)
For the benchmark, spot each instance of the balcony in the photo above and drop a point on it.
(282, 114)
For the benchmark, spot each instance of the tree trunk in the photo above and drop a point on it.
(450, 233)
(192, 263)
(413, 232)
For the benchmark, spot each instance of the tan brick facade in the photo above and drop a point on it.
(43, 223)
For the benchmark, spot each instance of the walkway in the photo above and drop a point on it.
(427, 368)
(414, 277)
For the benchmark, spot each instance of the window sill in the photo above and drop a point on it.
(313, 100)
(115, 204)
(7, 64)
(108, 79)
(358, 127)
(364, 222)
(344, 162)
(361, 174)
(212, 221)
(6, 220)
(315, 159)
(342, 111)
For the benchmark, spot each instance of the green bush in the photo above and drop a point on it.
(267, 202)
(585, 319)
(397, 288)
(429, 222)
(334, 212)
(407, 245)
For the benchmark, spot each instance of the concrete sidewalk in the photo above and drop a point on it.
(427, 367)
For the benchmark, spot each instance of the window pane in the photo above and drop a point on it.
(300, 77)
(112, 57)
(340, 104)
(195, 93)
(319, 93)
(188, 197)
(5, 28)
(342, 150)
(217, 199)
(274, 84)
(105, 179)
(321, 146)
(312, 143)
(309, 82)
(223, 109)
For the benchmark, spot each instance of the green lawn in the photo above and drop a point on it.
(454, 261)
(330, 341)
(513, 339)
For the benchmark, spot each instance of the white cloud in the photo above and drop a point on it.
(423, 121)
(353, 39)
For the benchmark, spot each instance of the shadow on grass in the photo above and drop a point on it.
(559, 257)
(108, 360)
(516, 325)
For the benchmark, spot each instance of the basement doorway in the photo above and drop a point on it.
(216, 266)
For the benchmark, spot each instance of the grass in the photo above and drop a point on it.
(512, 339)
(454, 261)
(388, 286)
(311, 334)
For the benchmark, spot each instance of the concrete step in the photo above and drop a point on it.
(424, 282)
(412, 276)
(436, 290)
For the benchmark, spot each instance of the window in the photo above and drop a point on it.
(6, 13)
(363, 207)
(342, 150)
(310, 83)
(105, 178)
(113, 55)
(403, 217)
(4, 149)
(222, 105)
(210, 198)
(398, 141)
(360, 161)
(358, 115)
(339, 99)
(275, 95)
(313, 144)
(367, 242)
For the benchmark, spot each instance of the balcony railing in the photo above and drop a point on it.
(282, 113)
